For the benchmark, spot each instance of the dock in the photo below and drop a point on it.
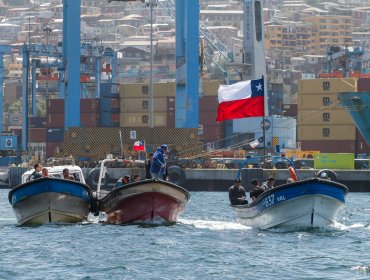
(222, 179)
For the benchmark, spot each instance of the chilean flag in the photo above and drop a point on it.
(241, 100)
(139, 146)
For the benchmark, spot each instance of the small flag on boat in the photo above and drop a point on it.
(139, 146)
(254, 143)
(241, 100)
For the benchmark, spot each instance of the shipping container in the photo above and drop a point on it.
(339, 146)
(208, 118)
(55, 120)
(37, 122)
(324, 117)
(131, 105)
(290, 110)
(54, 106)
(53, 148)
(334, 161)
(89, 119)
(54, 134)
(142, 119)
(211, 133)
(37, 134)
(210, 88)
(115, 103)
(363, 84)
(143, 90)
(330, 86)
(16, 131)
(114, 118)
(362, 147)
(316, 101)
(89, 105)
(208, 104)
(321, 132)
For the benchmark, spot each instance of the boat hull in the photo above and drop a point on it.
(148, 201)
(307, 203)
(50, 200)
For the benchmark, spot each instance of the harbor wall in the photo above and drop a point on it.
(222, 179)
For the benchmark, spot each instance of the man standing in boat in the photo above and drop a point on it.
(148, 165)
(237, 194)
(158, 167)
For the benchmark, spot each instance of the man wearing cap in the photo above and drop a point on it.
(158, 167)
(237, 194)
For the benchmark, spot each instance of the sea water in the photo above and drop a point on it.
(206, 243)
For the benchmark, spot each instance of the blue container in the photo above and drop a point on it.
(54, 134)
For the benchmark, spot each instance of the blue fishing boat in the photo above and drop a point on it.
(358, 106)
(313, 202)
(51, 199)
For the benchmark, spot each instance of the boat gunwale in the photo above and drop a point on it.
(289, 185)
(143, 182)
(27, 184)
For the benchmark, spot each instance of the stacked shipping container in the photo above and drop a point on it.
(322, 124)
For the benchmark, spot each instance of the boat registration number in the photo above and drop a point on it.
(271, 200)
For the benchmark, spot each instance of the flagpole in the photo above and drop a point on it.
(263, 119)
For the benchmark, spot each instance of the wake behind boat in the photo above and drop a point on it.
(313, 202)
(145, 201)
(51, 199)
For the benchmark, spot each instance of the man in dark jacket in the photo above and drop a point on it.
(256, 189)
(148, 164)
(158, 167)
(37, 173)
(237, 194)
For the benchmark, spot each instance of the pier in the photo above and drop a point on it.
(219, 179)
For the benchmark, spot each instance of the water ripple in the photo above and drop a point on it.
(207, 243)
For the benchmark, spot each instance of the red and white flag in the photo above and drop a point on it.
(139, 146)
(241, 100)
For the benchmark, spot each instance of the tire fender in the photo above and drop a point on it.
(330, 174)
(176, 175)
(93, 177)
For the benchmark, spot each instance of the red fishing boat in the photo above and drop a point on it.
(145, 201)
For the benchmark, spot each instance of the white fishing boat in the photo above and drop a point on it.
(51, 199)
(313, 202)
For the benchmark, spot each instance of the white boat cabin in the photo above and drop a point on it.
(57, 172)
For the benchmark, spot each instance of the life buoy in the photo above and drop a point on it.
(327, 174)
(93, 177)
(293, 174)
(176, 175)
